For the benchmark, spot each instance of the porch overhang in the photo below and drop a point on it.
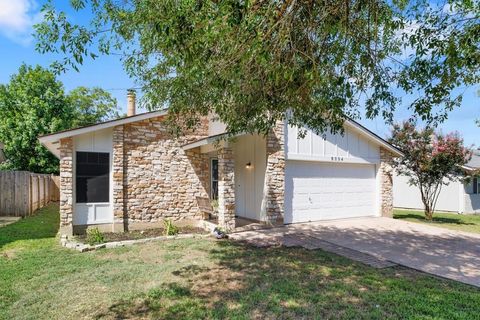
(211, 143)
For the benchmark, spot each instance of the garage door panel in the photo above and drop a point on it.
(319, 191)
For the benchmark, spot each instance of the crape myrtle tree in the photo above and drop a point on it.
(251, 61)
(430, 160)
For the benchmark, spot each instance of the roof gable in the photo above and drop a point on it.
(51, 141)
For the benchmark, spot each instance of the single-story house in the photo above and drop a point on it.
(131, 173)
(456, 196)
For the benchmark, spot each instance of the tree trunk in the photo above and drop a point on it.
(427, 208)
(428, 214)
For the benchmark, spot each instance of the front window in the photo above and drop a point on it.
(214, 179)
(92, 177)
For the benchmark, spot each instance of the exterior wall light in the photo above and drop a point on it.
(248, 165)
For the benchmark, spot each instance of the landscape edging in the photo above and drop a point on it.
(83, 247)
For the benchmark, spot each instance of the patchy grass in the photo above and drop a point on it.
(198, 279)
(459, 222)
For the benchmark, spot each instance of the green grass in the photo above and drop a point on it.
(460, 222)
(198, 279)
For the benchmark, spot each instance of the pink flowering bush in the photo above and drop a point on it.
(430, 159)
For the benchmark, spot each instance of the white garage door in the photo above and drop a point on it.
(322, 191)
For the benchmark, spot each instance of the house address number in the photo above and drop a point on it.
(336, 158)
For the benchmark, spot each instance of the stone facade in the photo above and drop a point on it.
(118, 164)
(160, 179)
(226, 189)
(275, 174)
(386, 183)
(66, 185)
(155, 179)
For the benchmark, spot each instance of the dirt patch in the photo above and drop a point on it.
(142, 234)
(10, 253)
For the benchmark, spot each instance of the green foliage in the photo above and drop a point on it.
(170, 228)
(429, 159)
(34, 103)
(95, 236)
(253, 62)
(92, 105)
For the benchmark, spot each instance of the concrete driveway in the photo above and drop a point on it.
(445, 253)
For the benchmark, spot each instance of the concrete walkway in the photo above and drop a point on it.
(8, 220)
(442, 252)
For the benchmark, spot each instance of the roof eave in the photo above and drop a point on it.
(50, 141)
(103, 125)
(210, 140)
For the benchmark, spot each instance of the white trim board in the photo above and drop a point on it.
(51, 141)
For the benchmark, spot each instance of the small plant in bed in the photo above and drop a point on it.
(143, 234)
(94, 236)
(170, 228)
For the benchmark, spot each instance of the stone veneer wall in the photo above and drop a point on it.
(66, 185)
(226, 189)
(386, 183)
(119, 212)
(275, 174)
(160, 179)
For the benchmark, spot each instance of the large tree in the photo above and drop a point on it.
(34, 103)
(31, 104)
(92, 105)
(252, 62)
(430, 160)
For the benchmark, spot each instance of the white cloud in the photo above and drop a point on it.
(17, 18)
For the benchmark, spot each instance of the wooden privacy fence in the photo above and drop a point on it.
(23, 192)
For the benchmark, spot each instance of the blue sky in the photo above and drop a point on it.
(17, 46)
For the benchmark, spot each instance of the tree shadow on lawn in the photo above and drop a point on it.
(44, 223)
(284, 283)
(439, 220)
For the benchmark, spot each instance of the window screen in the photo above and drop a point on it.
(92, 177)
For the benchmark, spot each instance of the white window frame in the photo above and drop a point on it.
(211, 177)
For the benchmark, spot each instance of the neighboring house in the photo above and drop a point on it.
(456, 196)
(131, 173)
(2, 153)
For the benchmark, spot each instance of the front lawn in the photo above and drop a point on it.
(198, 279)
(460, 222)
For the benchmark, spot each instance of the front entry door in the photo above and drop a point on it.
(250, 166)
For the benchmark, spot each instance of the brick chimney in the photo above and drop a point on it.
(131, 108)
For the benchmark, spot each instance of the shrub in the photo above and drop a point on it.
(170, 228)
(95, 236)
